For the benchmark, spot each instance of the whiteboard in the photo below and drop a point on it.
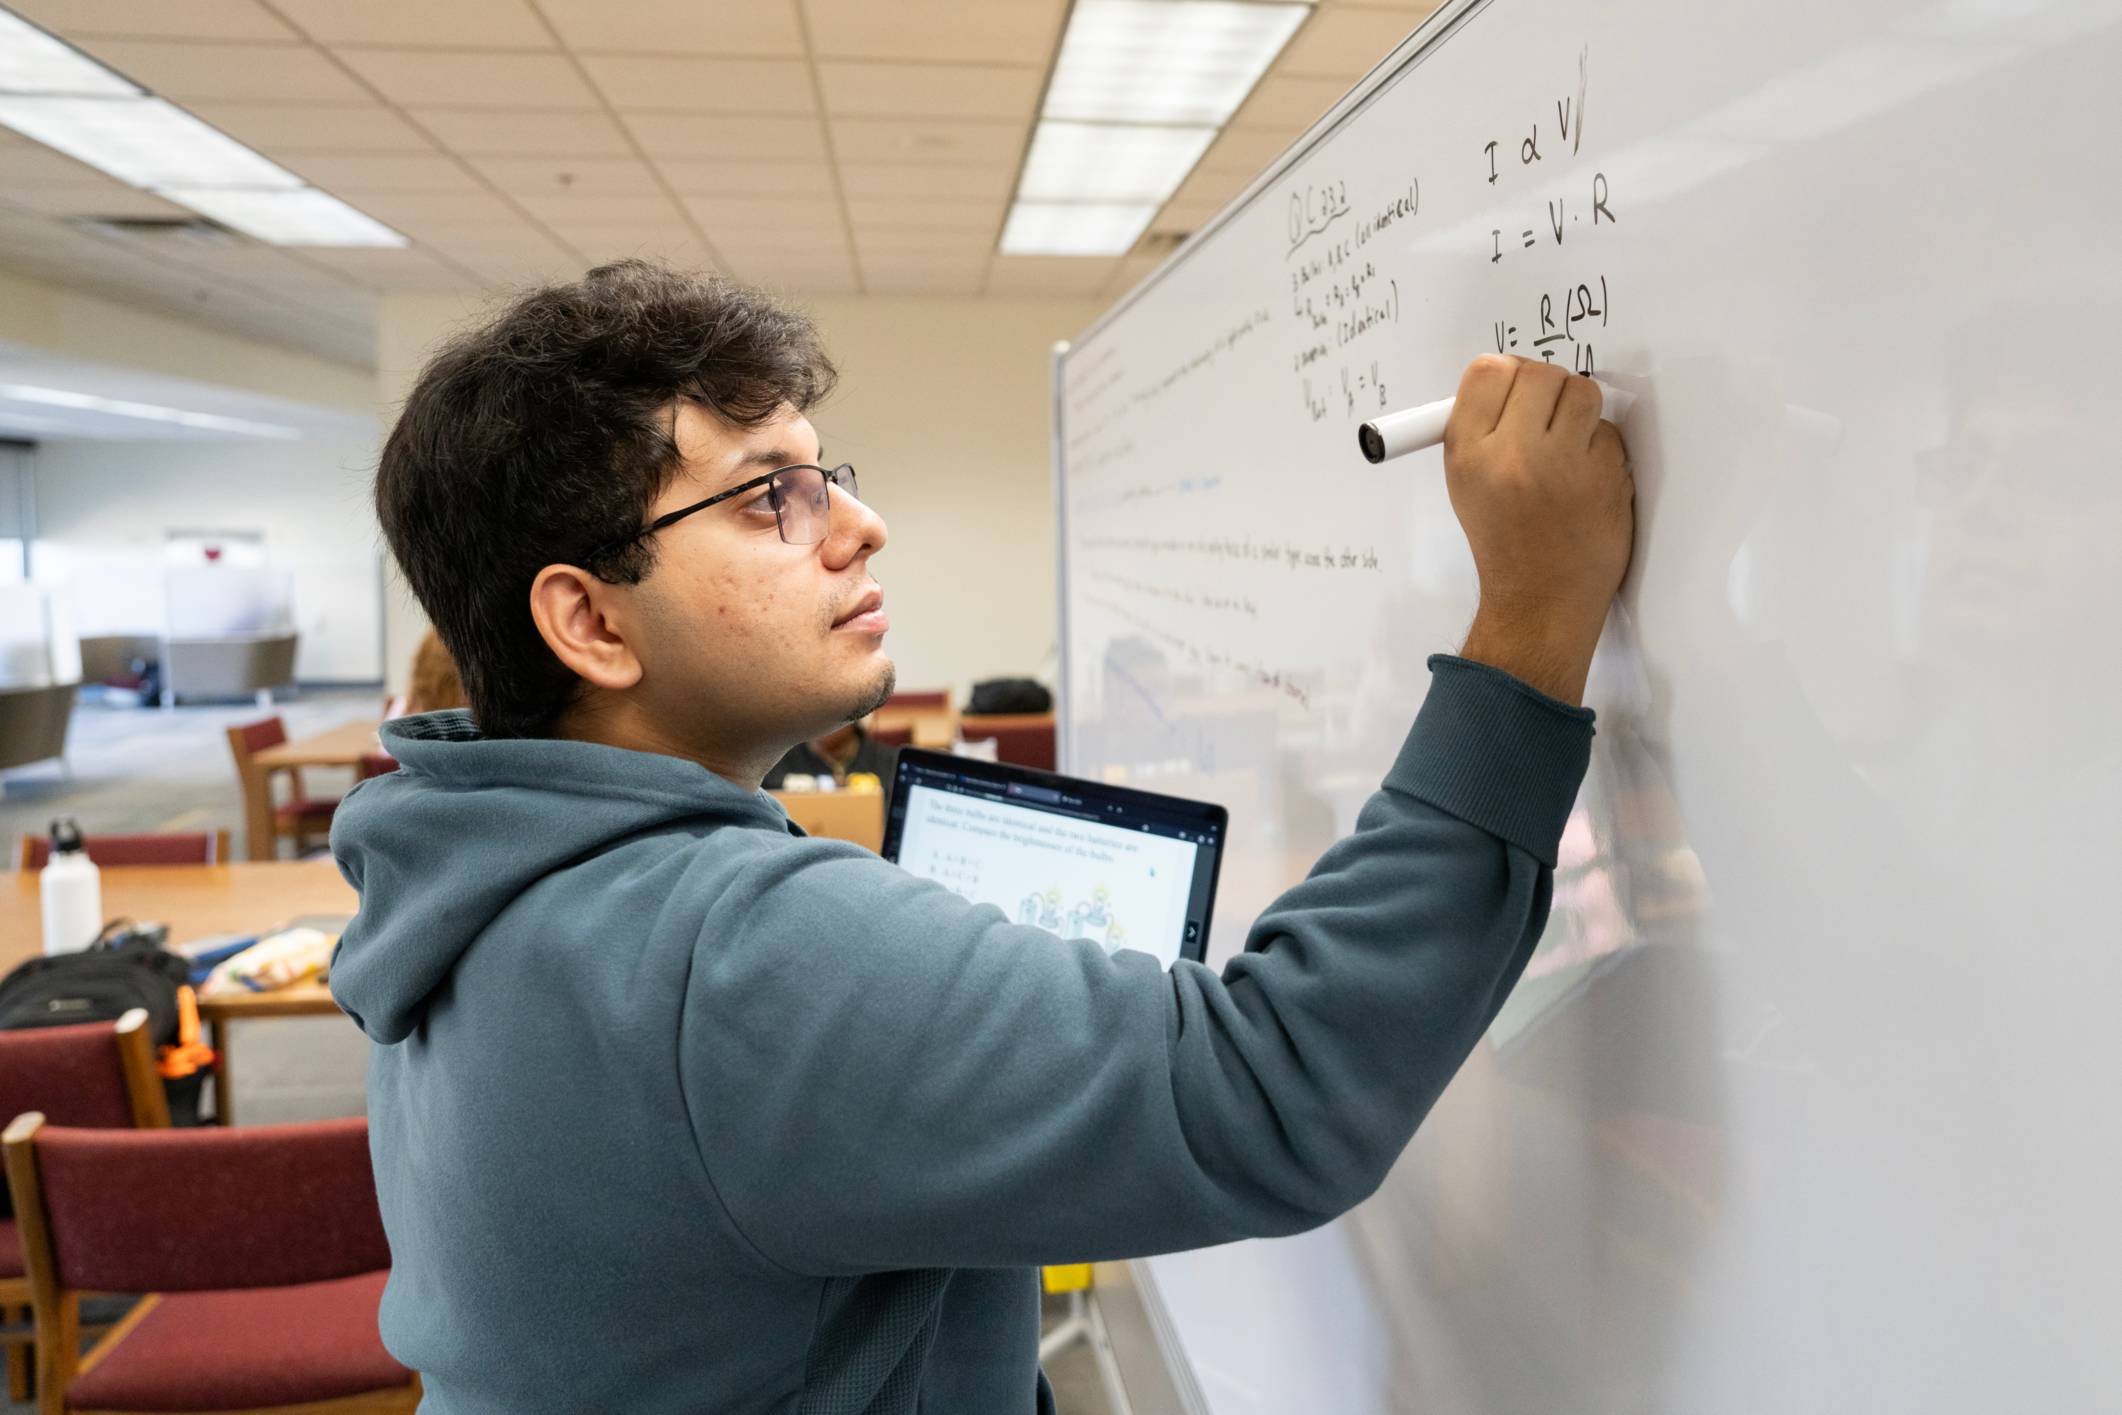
(1808, 1101)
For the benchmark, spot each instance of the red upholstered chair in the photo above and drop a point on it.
(1025, 739)
(263, 1249)
(902, 736)
(923, 701)
(202, 847)
(96, 1073)
(304, 819)
(376, 764)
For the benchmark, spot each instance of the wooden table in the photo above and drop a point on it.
(195, 901)
(343, 746)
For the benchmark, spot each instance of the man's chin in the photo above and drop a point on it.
(880, 690)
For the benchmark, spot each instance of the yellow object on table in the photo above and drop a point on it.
(1066, 1277)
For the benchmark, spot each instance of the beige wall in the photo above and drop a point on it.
(69, 322)
(105, 509)
(944, 409)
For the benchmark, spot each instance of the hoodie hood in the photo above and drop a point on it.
(438, 848)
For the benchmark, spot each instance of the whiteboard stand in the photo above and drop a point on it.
(1085, 1323)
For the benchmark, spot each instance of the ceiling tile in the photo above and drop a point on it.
(411, 271)
(420, 24)
(34, 165)
(413, 212)
(922, 140)
(917, 243)
(343, 172)
(541, 176)
(524, 132)
(738, 136)
(679, 247)
(558, 209)
(468, 79)
(1290, 101)
(686, 84)
(923, 277)
(471, 240)
(767, 27)
(797, 243)
(992, 31)
(1132, 271)
(1185, 216)
(155, 19)
(1247, 151)
(694, 178)
(828, 277)
(1345, 43)
(894, 90)
(101, 199)
(1214, 186)
(268, 72)
(719, 214)
(1048, 275)
(923, 179)
(936, 212)
(274, 128)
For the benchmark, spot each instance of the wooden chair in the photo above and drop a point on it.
(262, 1249)
(93, 1074)
(917, 702)
(900, 736)
(300, 818)
(1022, 739)
(202, 847)
(837, 815)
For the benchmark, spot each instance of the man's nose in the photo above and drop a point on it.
(854, 527)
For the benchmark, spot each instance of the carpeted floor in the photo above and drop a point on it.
(139, 769)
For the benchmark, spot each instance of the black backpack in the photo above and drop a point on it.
(1009, 695)
(119, 971)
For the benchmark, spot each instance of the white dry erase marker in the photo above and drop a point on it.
(1412, 429)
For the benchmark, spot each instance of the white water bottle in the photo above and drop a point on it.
(72, 891)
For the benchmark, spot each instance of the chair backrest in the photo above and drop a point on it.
(939, 698)
(89, 1074)
(194, 1210)
(202, 847)
(901, 736)
(1026, 741)
(249, 737)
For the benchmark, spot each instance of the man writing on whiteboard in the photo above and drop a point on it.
(675, 1109)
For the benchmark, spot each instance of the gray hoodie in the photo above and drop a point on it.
(676, 1109)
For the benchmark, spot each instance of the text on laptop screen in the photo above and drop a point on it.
(1075, 865)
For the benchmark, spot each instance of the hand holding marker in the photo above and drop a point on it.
(1412, 429)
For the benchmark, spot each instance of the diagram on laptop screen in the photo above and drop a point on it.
(1080, 879)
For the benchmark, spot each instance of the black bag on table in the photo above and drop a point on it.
(1009, 695)
(121, 970)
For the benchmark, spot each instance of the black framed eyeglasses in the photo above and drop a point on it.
(799, 496)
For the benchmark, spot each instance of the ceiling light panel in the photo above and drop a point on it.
(145, 142)
(1108, 162)
(1074, 228)
(59, 97)
(1166, 61)
(302, 217)
(32, 61)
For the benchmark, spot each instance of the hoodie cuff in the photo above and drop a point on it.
(1497, 754)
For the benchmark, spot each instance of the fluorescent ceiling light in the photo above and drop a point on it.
(145, 142)
(69, 102)
(1166, 61)
(304, 217)
(146, 412)
(1103, 162)
(31, 61)
(1075, 228)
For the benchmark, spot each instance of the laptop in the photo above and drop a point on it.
(1126, 868)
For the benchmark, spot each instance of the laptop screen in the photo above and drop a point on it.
(1128, 869)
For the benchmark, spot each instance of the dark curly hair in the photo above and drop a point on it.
(544, 433)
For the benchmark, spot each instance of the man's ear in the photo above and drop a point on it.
(576, 616)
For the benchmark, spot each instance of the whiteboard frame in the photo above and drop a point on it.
(1439, 26)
